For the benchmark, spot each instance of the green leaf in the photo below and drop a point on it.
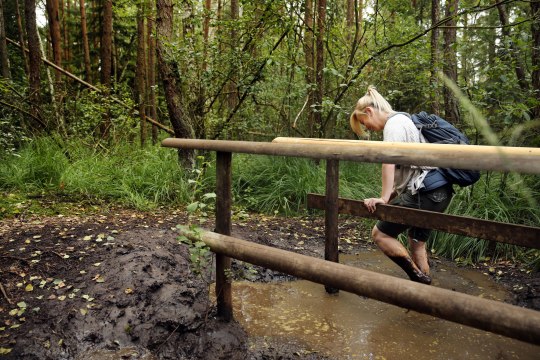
(209, 196)
(192, 207)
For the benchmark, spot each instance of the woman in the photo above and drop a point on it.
(409, 186)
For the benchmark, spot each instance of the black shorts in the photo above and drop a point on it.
(434, 200)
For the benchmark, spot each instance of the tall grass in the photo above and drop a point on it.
(146, 178)
(142, 178)
(281, 184)
(495, 197)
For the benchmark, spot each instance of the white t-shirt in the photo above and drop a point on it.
(400, 128)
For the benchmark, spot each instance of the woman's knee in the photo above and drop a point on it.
(377, 235)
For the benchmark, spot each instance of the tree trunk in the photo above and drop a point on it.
(67, 43)
(86, 47)
(54, 32)
(513, 53)
(151, 74)
(350, 13)
(319, 76)
(4, 60)
(106, 61)
(451, 110)
(206, 21)
(310, 66)
(232, 88)
(435, 62)
(106, 44)
(535, 56)
(21, 38)
(140, 74)
(164, 30)
(34, 56)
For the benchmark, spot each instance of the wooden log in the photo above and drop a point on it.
(477, 157)
(497, 317)
(223, 226)
(520, 235)
(331, 252)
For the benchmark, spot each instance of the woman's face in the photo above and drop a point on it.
(372, 119)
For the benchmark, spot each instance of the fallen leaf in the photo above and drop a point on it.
(62, 298)
(87, 238)
(97, 264)
(83, 312)
(128, 291)
(29, 287)
(4, 351)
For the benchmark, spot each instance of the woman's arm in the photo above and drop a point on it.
(388, 171)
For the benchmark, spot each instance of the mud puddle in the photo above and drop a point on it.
(348, 326)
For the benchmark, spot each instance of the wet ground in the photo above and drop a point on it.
(347, 326)
(118, 285)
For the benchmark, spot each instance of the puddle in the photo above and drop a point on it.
(348, 326)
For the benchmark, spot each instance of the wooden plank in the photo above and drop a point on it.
(223, 226)
(520, 235)
(331, 215)
(497, 317)
(524, 160)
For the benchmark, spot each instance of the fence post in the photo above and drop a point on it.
(223, 226)
(331, 215)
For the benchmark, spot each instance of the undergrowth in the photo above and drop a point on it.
(141, 178)
(151, 177)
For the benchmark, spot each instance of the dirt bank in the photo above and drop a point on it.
(118, 285)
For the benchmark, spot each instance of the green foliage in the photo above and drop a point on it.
(142, 178)
(199, 252)
(200, 203)
(38, 166)
(495, 197)
(276, 184)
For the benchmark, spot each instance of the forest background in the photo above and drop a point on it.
(95, 86)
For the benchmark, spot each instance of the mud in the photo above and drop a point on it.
(118, 285)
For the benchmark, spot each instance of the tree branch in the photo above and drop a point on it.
(440, 23)
(255, 79)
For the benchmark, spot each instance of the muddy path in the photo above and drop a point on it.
(119, 285)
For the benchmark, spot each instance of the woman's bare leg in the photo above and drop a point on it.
(392, 248)
(419, 254)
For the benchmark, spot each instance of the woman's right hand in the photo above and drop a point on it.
(371, 203)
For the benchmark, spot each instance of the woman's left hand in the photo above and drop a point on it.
(371, 203)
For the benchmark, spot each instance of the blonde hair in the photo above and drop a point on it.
(371, 98)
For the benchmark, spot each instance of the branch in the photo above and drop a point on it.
(90, 86)
(255, 79)
(259, 25)
(440, 23)
(24, 112)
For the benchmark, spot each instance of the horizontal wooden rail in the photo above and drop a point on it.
(497, 317)
(524, 160)
(521, 235)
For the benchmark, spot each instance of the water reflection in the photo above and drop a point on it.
(348, 326)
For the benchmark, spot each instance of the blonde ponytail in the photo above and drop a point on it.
(378, 101)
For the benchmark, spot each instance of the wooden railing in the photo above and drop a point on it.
(500, 318)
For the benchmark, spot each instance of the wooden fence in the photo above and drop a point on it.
(497, 317)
